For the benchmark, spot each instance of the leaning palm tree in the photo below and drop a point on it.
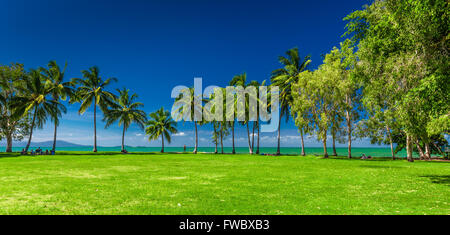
(92, 90)
(161, 124)
(60, 90)
(284, 78)
(34, 97)
(126, 111)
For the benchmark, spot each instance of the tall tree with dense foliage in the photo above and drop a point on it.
(313, 101)
(12, 127)
(403, 62)
(60, 90)
(161, 125)
(284, 78)
(92, 90)
(126, 111)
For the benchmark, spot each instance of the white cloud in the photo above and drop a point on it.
(180, 134)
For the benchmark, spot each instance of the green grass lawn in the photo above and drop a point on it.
(219, 184)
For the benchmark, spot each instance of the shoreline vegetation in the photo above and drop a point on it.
(381, 82)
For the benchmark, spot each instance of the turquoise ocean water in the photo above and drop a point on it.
(375, 152)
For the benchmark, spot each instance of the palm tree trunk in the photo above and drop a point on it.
(253, 137)
(31, 130)
(257, 140)
(95, 127)
(123, 139)
(196, 138)
(56, 128)
(325, 151)
(54, 137)
(279, 136)
(232, 137)
(390, 141)
(162, 143)
(303, 143)
(250, 150)
(215, 141)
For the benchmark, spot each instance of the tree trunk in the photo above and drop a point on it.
(334, 144)
(419, 148)
(279, 136)
(123, 139)
(232, 137)
(427, 151)
(54, 137)
(221, 141)
(409, 155)
(95, 127)
(162, 143)
(325, 151)
(439, 149)
(215, 133)
(56, 127)
(196, 139)
(253, 137)
(9, 141)
(303, 143)
(390, 141)
(257, 139)
(250, 150)
(31, 130)
(349, 127)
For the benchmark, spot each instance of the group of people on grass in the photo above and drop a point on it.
(38, 151)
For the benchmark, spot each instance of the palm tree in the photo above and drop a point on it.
(161, 124)
(34, 97)
(284, 78)
(60, 90)
(194, 108)
(256, 124)
(92, 90)
(126, 111)
(238, 80)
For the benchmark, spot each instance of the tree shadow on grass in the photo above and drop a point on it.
(380, 167)
(101, 154)
(438, 179)
(7, 155)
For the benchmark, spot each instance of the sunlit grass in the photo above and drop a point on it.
(83, 183)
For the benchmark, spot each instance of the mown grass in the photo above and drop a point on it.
(83, 183)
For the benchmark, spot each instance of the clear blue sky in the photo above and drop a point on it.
(152, 46)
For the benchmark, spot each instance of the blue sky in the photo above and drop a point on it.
(153, 46)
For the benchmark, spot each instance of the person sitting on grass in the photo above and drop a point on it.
(366, 158)
(32, 152)
(46, 152)
(52, 152)
(23, 152)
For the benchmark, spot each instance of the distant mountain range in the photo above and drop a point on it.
(46, 144)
